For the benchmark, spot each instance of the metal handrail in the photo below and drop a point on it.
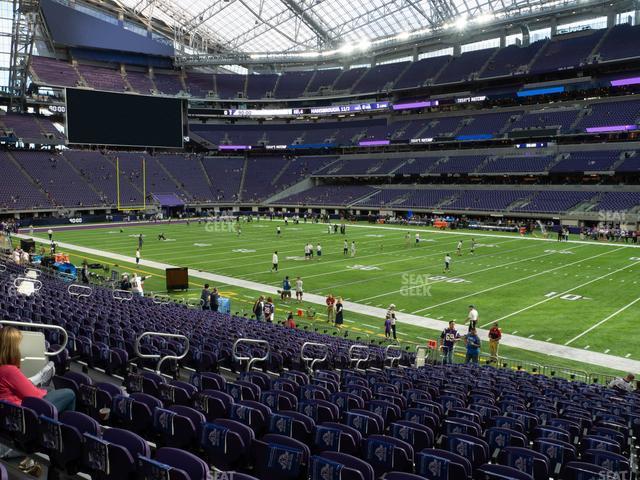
(161, 299)
(572, 373)
(250, 360)
(392, 358)
(122, 295)
(161, 358)
(42, 326)
(3, 268)
(357, 347)
(79, 290)
(314, 360)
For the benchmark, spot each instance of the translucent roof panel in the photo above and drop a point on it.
(296, 25)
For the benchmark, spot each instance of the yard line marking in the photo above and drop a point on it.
(627, 355)
(517, 280)
(560, 294)
(393, 274)
(587, 347)
(607, 350)
(370, 326)
(422, 338)
(532, 335)
(420, 285)
(548, 339)
(604, 320)
(514, 332)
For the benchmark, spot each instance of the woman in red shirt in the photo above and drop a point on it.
(14, 386)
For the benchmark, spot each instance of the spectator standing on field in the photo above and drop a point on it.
(258, 308)
(299, 290)
(391, 317)
(274, 261)
(205, 297)
(138, 256)
(448, 339)
(269, 310)
(50, 233)
(473, 346)
(215, 300)
(339, 313)
(285, 293)
(331, 308)
(495, 334)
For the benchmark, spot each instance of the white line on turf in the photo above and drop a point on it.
(548, 299)
(517, 280)
(593, 327)
(421, 285)
(607, 350)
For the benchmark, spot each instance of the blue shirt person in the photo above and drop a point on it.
(473, 346)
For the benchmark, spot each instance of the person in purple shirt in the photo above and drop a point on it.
(448, 339)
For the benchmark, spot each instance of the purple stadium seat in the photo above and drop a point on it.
(500, 472)
(331, 436)
(226, 443)
(114, 456)
(436, 464)
(385, 453)
(280, 457)
(335, 465)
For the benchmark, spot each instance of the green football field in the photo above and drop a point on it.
(579, 294)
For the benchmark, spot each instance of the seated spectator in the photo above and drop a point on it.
(290, 322)
(624, 384)
(15, 387)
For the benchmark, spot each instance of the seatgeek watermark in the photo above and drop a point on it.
(415, 285)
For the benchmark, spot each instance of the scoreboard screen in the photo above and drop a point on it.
(102, 118)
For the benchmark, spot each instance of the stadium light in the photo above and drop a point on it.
(460, 23)
(364, 45)
(484, 18)
(402, 36)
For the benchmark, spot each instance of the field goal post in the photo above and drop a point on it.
(129, 208)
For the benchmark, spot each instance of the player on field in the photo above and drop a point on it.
(345, 247)
(417, 239)
(138, 256)
(278, 231)
(473, 246)
(274, 261)
(310, 251)
(459, 248)
(407, 239)
(307, 253)
(318, 251)
(447, 262)
(353, 248)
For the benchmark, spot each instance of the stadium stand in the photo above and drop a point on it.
(456, 420)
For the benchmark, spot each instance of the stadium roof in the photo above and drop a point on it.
(302, 25)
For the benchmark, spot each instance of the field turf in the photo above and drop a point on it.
(585, 295)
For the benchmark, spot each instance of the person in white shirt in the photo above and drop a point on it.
(353, 248)
(274, 260)
(623, 384)
(137, 285)
(278, 231)
(137, 256)
(307, 253)
(447, 262)
(345, 247)
(472, 318)
(318, 251)
(50, 233)
(299, 290)
(417, 239)
(459, 247)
